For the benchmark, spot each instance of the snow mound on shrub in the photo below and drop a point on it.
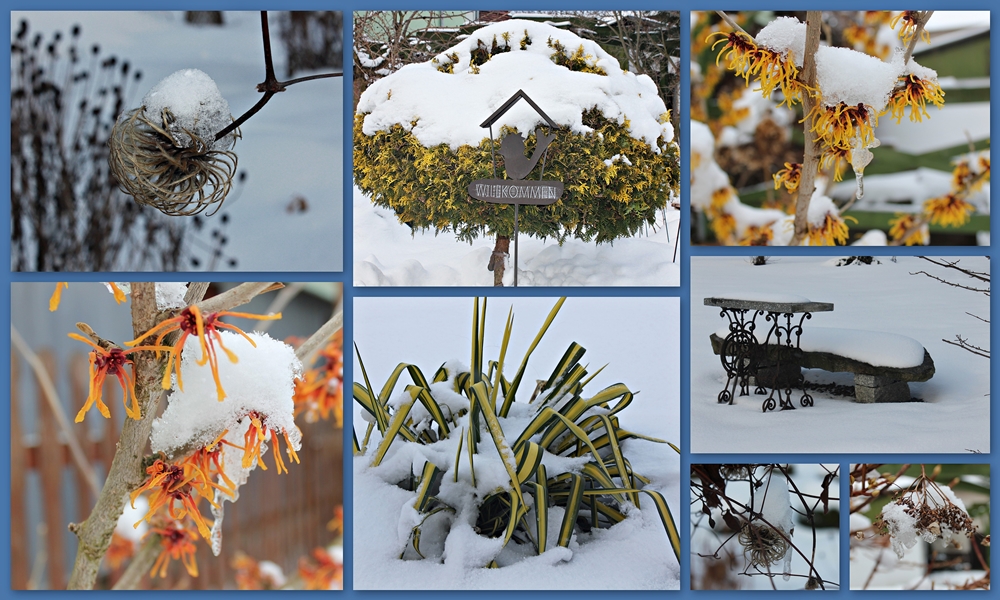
(447, 108)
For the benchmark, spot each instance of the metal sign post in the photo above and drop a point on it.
(513, 190)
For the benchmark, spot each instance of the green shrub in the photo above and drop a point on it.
(469, 412)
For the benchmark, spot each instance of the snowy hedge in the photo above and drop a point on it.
(418, 141)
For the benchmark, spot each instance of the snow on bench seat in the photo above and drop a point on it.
(876, 348)
(882, 363)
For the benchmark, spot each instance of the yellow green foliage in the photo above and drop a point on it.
(428, 187)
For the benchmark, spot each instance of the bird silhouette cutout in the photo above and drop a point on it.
(515, 162)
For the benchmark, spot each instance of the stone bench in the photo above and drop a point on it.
(882, 363)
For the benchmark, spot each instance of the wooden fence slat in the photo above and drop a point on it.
(19, 548)
(79, 384)
(51, 469)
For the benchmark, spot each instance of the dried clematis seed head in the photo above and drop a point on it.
(164, 153)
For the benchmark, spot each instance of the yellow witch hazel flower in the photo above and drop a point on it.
(910, 230)
(909, 27)
(917, 86)
(826, 227)
(950, 210)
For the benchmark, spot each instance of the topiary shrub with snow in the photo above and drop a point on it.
(485, 471)
(418, 143)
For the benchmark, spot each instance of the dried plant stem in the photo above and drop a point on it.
(125, 474)
(52, 398)
(810, 162)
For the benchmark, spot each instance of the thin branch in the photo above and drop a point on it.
(810, 162)
(965, 345)
(729, 21)
(980, 275)
(270, 86)
(311, 345)
(281, 300)
(921, 20)
(125, 473)
(140, 564)
(52, 399)
(237, 296)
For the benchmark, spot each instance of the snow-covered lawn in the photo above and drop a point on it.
(387, 252)
(636, 337)
(954, 414)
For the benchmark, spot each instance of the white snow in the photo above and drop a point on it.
(852, 77)
(906, 192)
(773, 503)
(649, 364)
(955, 124)
(876, 348)
(261, 381)
(188, 102)
(784, 34)
(903, 526)
(413, 96)
(170, 295)
(955, 413)
(387, 252)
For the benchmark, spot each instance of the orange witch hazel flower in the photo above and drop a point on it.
(177, 542)
(189, 322)
(62, 285)
(322, 572)
(112, 361)
(172, 483)
(256, 434)
(320, 391)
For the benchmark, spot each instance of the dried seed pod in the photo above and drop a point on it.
(164, 153)
(762, 544)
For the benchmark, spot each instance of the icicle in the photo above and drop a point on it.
(860, 157)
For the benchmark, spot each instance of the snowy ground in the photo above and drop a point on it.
(387, 252)
(292, 148)
(954, 414)
(704, 541)
(638, 340)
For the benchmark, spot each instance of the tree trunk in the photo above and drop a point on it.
(500, 252)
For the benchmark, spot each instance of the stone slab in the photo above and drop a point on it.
(776, 307)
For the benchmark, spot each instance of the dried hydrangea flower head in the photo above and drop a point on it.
(927, 511)
(164, 153)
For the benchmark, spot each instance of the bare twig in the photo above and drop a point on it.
(921, 20)
(729, 21)
(281, 300)
(237, 296)
(52, 399)
(140, 564)
(125, 473)
(810, 162)
(980, 275)
(311, 345)
(270, 86)
(965, 345)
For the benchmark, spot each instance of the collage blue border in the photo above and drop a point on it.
(349, 292)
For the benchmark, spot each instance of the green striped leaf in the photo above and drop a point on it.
(396, 426)
(430, 481)
(668, 521)
(529, 458)
(481, 399)
(498, 383)
(541, 508)
(432, 407)
(516, 382)
(572, 510)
